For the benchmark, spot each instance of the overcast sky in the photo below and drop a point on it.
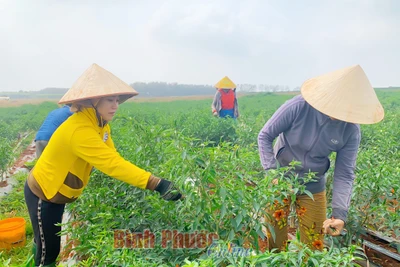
(51, 43)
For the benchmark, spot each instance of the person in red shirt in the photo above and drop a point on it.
(225, 102)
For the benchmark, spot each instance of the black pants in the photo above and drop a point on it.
(44, 215)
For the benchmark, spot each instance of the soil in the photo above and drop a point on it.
(263, 244)
(374, 256)
(27, 155)
(377, 257)
(19, 165)
(20, 102)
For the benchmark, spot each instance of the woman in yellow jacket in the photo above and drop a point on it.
(82, 142)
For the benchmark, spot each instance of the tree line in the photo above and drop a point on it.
(153, 89)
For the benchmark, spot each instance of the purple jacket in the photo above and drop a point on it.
(309, 136)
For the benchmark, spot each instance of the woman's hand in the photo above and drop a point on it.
(168, 191)
(333, 226)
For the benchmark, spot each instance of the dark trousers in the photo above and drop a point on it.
(44, 215)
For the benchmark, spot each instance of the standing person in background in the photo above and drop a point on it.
(225, 102)
(79, 144)
(50, 124)
(325, 118)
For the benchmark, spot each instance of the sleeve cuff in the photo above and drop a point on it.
(272, 166)
(153, 182)
(339, 214)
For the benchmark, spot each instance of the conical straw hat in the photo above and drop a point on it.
(345, 94)
(225, 83)
(97, 82)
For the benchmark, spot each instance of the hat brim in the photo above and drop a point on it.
(122, 98)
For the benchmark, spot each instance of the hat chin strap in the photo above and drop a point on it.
(100, 120)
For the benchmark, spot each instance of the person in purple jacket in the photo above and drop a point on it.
(54, 119)
(325, 118)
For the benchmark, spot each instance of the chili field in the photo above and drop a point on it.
(215, 164)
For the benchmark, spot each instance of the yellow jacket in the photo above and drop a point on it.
(74, 148)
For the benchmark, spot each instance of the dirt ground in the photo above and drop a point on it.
(20, 102)
(19, 165)
(170, 98)
(28, 154)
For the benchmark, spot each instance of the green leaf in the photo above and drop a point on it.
(315, 262)
(223, 210)
(222, 193)
(231, 235)
(238, 220)
(308, 193)
(295, 191)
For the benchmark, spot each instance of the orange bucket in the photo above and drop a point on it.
(12, 233)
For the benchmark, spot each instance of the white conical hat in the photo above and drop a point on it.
(345, 94)
(97, 82)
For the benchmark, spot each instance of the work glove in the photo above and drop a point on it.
(167, 189)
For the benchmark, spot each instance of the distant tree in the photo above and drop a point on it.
(171, 89)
